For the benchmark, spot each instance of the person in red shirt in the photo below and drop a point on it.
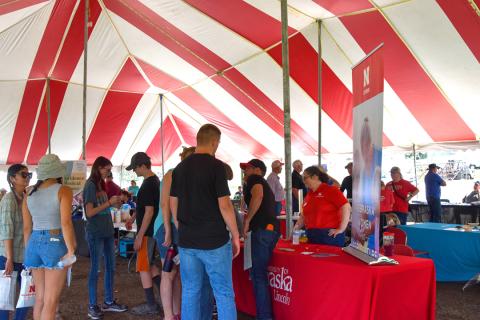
(387, 199)
(326, 211)
(112, 188)
(403, 191)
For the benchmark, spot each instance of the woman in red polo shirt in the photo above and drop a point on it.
(403, 191)
(326, 211)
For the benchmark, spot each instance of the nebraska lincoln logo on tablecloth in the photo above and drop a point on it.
(281, 282)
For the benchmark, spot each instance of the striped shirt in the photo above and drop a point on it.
(11, 226)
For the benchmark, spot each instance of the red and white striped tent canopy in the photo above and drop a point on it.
(219, 61)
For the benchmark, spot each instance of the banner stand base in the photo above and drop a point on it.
(371, 261)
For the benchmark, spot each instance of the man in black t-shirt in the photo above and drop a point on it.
(201, 207)
(262, 223)
(297, 184)
(348, 181)
(148, 198)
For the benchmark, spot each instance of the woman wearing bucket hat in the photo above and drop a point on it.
(49, 235)
(100, 237)
(11, 229)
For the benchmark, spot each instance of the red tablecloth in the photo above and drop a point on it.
(340, 287)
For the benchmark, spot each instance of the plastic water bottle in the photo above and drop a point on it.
(296, 236)
(67, 261)
(168, 263)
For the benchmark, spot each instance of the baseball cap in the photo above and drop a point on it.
(254, 163)
(138, 159)
(433, 166)
(349, 165)
(277, 163)
(477, 182)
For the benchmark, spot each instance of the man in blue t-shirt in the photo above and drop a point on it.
(433, 182)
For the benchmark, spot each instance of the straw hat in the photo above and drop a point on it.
(49, 167)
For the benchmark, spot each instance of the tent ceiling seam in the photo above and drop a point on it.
(60, 47)
(174, 123)
(27, 16)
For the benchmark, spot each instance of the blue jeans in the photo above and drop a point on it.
(199, 269)
(44, 250)
(278, 208)
(20, 313)
(402, 216)
(435, 209)
(321, 236)
(263, 243)
(98, 247)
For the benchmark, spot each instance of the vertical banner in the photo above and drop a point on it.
(367, 79)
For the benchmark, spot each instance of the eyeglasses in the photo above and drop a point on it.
(25, 175)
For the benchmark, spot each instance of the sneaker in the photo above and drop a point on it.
(146, 309)
(94, 312)
(114, 307)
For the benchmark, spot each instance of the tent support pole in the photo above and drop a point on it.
(161, 133)
(49, 128)
(286, 116)
(415, 164)
(319, 99)
(85, 52)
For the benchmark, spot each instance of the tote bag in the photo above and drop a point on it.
(26, 298)
(8, 285)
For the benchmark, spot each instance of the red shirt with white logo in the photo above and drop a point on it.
(386, 200)
(400, 190)
(321, 208)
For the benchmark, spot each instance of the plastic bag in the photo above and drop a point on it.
(8, 286)
(26, 298)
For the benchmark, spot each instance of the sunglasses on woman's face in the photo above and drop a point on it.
(25, 175)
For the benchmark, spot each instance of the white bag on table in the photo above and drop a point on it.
(8, 286)
(26, 298)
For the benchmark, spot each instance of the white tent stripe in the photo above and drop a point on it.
(20, 43)
(9, 19)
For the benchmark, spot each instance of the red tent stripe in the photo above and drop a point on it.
(42, 64)
(72, 48)
(171, 142)
(159, 78)
(466, 22)
(7, 6)
(26, 118)
(301, 139)
(403, 73)
(39, 144)
(261, 29)
(114, 114)
(341, 7)
(229, 127)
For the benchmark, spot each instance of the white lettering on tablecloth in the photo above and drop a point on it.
(281, 282)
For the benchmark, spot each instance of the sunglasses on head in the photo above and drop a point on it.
(25, 175)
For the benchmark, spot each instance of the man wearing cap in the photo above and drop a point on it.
(148, 198)
(261, 221)
(348, 181)
(202, 210)
(274, 182)
(433, 182)
(474, 196)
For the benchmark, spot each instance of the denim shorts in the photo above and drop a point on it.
(44, 250)
(160, 238)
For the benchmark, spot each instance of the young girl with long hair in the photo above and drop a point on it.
(100, 237)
